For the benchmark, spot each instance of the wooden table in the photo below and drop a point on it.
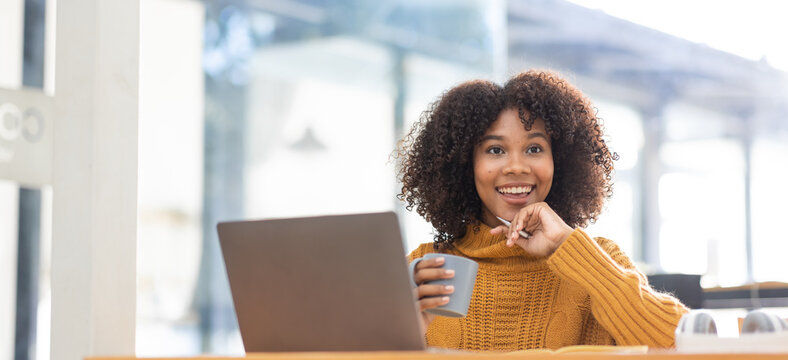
(756, 295)
(657, 355)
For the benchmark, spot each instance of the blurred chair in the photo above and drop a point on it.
(685, 287)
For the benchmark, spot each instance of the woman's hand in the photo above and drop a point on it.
(431, 295)
(548, 231)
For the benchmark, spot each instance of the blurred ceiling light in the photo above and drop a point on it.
(308, 142)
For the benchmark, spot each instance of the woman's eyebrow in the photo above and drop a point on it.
(538, 134)
(490, 137)
(499, 137)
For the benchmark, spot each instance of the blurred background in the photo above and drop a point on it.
(279, 108)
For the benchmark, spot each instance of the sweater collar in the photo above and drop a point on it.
(486, 248)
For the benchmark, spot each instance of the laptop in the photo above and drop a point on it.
(328, 283)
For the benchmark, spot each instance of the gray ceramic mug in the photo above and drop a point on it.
(464, 278)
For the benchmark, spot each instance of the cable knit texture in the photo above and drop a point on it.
(586, 293)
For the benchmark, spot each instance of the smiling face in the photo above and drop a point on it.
(512, 167)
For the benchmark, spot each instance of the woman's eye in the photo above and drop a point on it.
(495, 150)
(534, 150)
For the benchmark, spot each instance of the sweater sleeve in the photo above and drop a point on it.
(621, 299)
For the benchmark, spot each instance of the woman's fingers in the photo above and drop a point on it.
(431, 269)
(528, 218)
(517, 225)
(430, 263)
(521, 242)
(546, 229)
(425, 275)
(525, 216)
(500, 229)
(431, 295)
(433, 302)
(533, 220)
(430, 290)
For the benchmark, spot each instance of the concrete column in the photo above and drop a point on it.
(95, 179)
(651, 171)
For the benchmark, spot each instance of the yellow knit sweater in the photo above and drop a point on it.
(586, 293)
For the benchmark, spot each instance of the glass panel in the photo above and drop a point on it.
(44, 318)
(318, 145)
(701, 202)
(621, 218)
(769, 196)
(9, 222)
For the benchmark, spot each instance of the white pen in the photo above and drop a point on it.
(509, 224)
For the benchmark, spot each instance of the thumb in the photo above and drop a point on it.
(498, 230)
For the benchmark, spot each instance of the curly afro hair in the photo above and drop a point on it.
(436, 156)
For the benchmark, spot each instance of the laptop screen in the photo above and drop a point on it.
(329, 283)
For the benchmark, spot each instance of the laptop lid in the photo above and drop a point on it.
(329, 283)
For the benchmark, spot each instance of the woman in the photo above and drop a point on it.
(530, 152)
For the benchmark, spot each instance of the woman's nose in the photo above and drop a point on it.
(516, 164)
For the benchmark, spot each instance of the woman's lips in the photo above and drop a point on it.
(515, 194)
(514, 199)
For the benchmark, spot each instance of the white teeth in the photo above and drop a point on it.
(516, 190)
